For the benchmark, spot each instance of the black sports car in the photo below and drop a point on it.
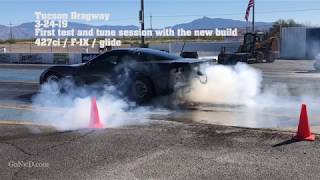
(139, 73)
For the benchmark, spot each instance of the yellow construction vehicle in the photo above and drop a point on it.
(256, 48)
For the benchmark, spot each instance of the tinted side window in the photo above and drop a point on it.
(106, 59)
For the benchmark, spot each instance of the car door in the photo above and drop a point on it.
(100, 69)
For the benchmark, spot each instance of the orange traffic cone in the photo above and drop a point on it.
(303, 128)
(94, 116)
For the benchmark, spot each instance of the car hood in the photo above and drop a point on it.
(76, 65)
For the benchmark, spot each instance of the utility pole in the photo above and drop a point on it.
(141, 18)
(150, 21)
(11, 36)
(253, 29)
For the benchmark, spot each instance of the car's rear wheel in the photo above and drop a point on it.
(141, 90)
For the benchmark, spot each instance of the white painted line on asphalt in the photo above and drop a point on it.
(21, 122)
(29, 108)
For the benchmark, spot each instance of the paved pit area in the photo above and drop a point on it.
(189, 141)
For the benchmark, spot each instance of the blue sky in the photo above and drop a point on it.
(165, 12)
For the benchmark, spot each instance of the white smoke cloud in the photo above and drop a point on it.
(71, 110)
(257, 104)
(228, 85)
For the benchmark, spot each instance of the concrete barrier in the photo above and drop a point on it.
(46, 58)
(26, 58)
(75, 58)
(9, 57)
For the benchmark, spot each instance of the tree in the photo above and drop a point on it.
(275, 29)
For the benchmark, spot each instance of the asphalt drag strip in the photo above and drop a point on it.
(191, 141)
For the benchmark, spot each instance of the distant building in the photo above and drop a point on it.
(300, 43)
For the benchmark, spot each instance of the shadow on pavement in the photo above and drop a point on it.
(287, 142)
(308, 72)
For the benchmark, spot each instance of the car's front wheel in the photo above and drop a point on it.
(52, 78)
(53, 81)
(316, 65)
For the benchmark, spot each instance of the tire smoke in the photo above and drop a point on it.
(71, 110)
(238, 96)
(227, 85)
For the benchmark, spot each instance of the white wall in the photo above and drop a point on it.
(293, 43)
